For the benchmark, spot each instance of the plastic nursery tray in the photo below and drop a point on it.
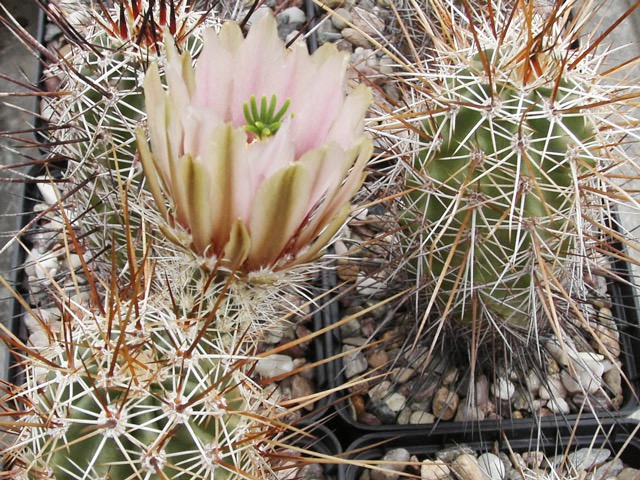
(616, 437)
(318, 438)
(624, 308)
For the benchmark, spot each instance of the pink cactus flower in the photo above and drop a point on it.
(257, 149)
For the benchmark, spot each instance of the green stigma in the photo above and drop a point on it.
(264, 121)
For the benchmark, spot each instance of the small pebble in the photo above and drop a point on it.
(354, 362)
(274, 365)
(445, 404)
(466, 467)
(396, 457)
(492, 466)
(433, 470)
(420, 417)
(503, 389)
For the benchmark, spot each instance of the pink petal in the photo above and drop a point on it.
(317, 97)
(261, 57)
(213, 77)
(350, 119)
(270, 155)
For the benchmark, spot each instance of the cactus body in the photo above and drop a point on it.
(92, 124)
(143, 404)
(503, 192)
(503, 169)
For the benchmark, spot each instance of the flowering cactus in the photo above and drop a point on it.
(257, 148)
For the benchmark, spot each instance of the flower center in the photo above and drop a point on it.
(263, 121)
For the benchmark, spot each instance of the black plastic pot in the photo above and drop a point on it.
(319, 439)
(616, 437)
(624, 307)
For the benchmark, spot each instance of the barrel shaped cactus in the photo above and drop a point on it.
(504, 168)
(140, 397)
(508, 192)
(100, 70)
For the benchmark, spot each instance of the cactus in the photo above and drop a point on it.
(136, 393)
(509, 192)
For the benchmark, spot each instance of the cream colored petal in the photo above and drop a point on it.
(151, 172)
(237, 248)
(195, 187)
(278, 211)
(328, 166)
(179, 194)
(358, 156)
(155, 103)
(179, 70)
(314, 250)
(230, 188)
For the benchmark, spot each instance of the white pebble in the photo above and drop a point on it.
(292, 15)
(340, 18)
(558, 405)
(274, 365)
(48, 191)
(433, 470)
(503, 389)
(420, 417)
(492, 466)
(354, 362)
(379, 391)
(559, 352)
(396, 402)
(533, 381)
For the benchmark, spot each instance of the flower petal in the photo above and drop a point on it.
(238, 247)
(155, 104)
(315, 246)
(213, 77)
(261, 57)
(350, 119)
(230, 189)
(194, 184)
(270, 155)
(179, 71)
(151, 171)
(340, 195)
(278, 212)
(317, 96)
